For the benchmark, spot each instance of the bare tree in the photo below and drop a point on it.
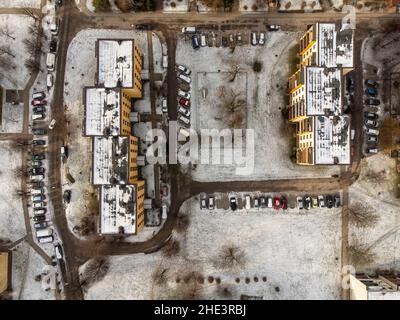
(159, 276)
(182, 223)
(231, 257)
(30, 46)
(5, 49)
(375, 176)
(5, 31)
(95, 270)
(233, 72)
(6, 63)
(32, 14)
(362, 215)
(172, 248)
(360, 255)
(86, 226)
(236, 121)
(233, 102)
(32, 65)
(20, 172)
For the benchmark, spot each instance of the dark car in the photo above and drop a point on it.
(59, 3)
(329, 201)
(371, 92)
(38, 198)
(372, 102)
(371, 83)
(37, 184)
(39, 218)
(38, 156)
(40, 225)
(195, 42)
(370, 123)
(39, 211)
(38, 102)
(144, 26)
(39, 109)
(38, 142)
(184, 102)
(273, 27)
(372, 139)
(276, 202)
(283, 202)
(39, 131)
(307, 202)
(233, 204)
(337, 201)
(36, 163)
(224, 42)
(263, 202)
(53, 45)
(350, 84)
(67, 196)
(370, 115)
(37, 171)
(256, 202)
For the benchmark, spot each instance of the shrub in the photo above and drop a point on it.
(101, 5)
(257, 66)
(173, 4)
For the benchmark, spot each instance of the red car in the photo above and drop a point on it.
(184, 102)
(276, 203)
(39, 102)
(283, 203)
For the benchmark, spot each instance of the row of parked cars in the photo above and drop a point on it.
(371, 118)
(183, 74)
(320, 201)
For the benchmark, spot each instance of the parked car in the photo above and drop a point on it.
(38, 102)
(300, 202)
(38, 116)
(263, 202)
(39, 211)
(183, 94)
(329, 201)
(36, 164)
(261, 40)
(47, 239)
(372, 139)
(37, 177)
(184, 111)
(184, 121)
(247, 202)
(203, 204)
(372, 102)
(256, 202)
(38, 142)
(67, 196)
(37, 184)
(314, 202)
(184, 78)
(59, 3)
(337, 201)
(211, 203)
(38, 198)
(195, 42)
(184, 102)
(40, 225)
(58, 251)
(164, 105)
(37, 191)
(307, 202)
(39, 110)
(164, 61)
(371, 150)
(52, 124)
(284, 203)
(37, 170)
(183, 69)
(224, 42)
(370, 115)
(372, 131)
(49, 80)
(38, 95)
(144, 26)
(276, 203)
(273, 27)
(54, 26)
(239, 39)
(371, 83)
(254, 40)
(64, 152)
(372, 92)
(233, 204)
(38, 205)
(38, 156)
(269, 202)
(39, 131)
(53, 45)
(203, 40)
(321, 202)
(39, 218)
(188, 29)
(371, 123)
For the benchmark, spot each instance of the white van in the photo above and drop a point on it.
(37, 177)
(44, 233)
(165, 61)
(46, 239)
(37, 191)
(184, 78)
(188, 29)
(248, 202)
(164, 212)
(49, 80)
(50, 61)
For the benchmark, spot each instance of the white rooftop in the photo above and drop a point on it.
(118, 209)
(110, 160)
(102, 112)
(323, 91)
(115, 61)
(332, 140)
(345, 46)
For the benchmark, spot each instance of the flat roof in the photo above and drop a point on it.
(102, 112)
(110, 160)
(115, 63)
(345, 46)
(118, 209)
(332, 140)
(323, 91)
(327, 45)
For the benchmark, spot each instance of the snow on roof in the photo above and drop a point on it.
(102, 112)
(332, 140)
(118, 209)
(344, 49)
(110, 160)
(323, 91)
(115, 59)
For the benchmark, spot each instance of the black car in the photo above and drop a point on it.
(370, 115)
(307, 202)
(39, 109)
(38, 142)
(195, 42)
(233, 203)
(371, 83)
(37, 184)
(263, 202)
(67, 196)
(53, 45)
(329, 201)
(337, 201)
(224, 42)
(372, 102)
(144, 26)
(37, 171)
(39, 131)
(39, 218)
(38, 156)
(283, 203)
(40, 225)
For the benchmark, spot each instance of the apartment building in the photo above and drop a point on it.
(316, 95)
(379, 287)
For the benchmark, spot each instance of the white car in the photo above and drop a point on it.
(165, 61)
(54, 26)
(164, 106)
(58, 251)
(321, 202)
(184, 111)
(254, 40)
(300, 203)
(183, 69)
(46, 239)
(248, 202)
(203, 41)
(269, 202)
(261, 41)
(184, 94)
(52, 124)
(184, 78)
(49, 80)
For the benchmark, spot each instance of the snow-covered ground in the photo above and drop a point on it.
(175, 6)
(253, 5)
(383, 238)
(12, 118)
(265, 98)
(20, 3)
(12, 225)
(296, 5)
(18, 75)
(299, 253)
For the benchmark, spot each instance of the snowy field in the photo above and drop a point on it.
(297, 5)
(383, 238)
(265, 98)
(18, 75)
(20, 3)
(12, 225)
(299, 253)
(175, 6)
(12, 118)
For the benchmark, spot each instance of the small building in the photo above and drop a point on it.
(380, 287)
(119, 65)
(122, 208)
(114, 160)
(5, 271)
